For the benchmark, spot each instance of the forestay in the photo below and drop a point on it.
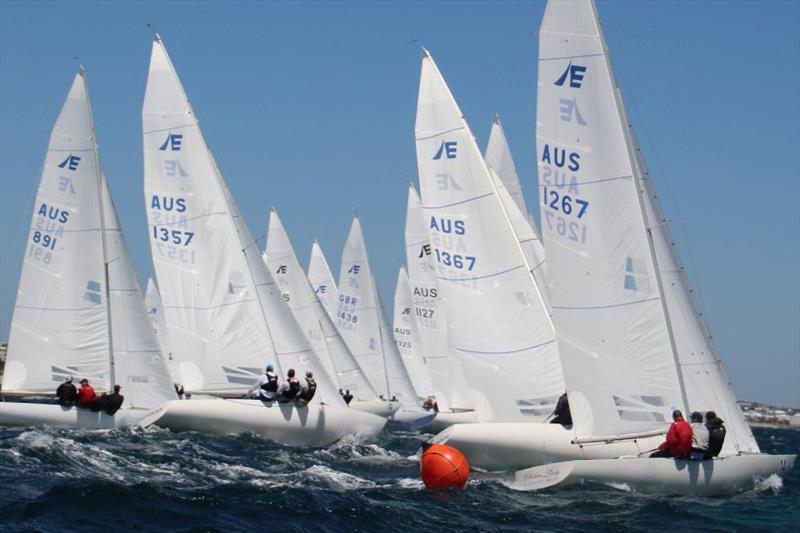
(497, 320)
(613, 333)
(309, 312)
(406, 336)
(225, 315)
(60, 322)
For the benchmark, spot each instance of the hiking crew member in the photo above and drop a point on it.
(308, 390)
(289, 388)
(347, 397)
(66, 393)
(86, 394)
(267, 385)
(114, 401)
(562, 414)
(699, 436)
(679, 439)
(716, 434)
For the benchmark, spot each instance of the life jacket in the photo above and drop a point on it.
(348, 398)
(294, 388)
(272, 382)
(86, 395)
(113, 403)
(308, 393)
(67, 393)
(716, 436)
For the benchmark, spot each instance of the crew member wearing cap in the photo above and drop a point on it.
(67, 393)
(289, 388)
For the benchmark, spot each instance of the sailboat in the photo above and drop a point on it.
(498, 323)
(79, 309)
(225, 314)
(351, 376)
(634, 342)
(362, 322)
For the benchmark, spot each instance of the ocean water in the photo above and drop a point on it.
(154, 479)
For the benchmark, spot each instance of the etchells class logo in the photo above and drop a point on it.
(448, 150)
(172, 143)
(70, 163)
(574, 74)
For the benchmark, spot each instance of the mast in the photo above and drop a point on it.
(626, 125)
(111, 370)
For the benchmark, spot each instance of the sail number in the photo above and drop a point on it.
(173, 236)
(564, 203)
(459, 261)
(45, 241)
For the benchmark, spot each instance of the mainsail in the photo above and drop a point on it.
(60, 323)
(362, 323)
(225, 314)
(497, 320)
(406, 336)
(614, 338)
(351, 377)
(498, 157)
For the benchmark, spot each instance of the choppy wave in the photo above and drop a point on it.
(155, 479)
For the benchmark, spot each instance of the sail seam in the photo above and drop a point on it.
(481, 277)
(532, 347)
(440, 133)
(457, 203)
(608, 306)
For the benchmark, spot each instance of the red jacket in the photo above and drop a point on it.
(86, 395)
(679, 439)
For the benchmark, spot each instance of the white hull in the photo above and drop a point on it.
(513, 446)
(715, 477)
(286, 423)
(445, 419)
(376, 407)
(39, 414)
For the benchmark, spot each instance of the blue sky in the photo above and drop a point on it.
(309, 107)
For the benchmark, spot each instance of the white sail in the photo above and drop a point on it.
(613, 335)
(707, 385)
(407, 338)
(351, 377)
(447, 377)
(498, 158)
(529, 241)
(497, 319)
(321, 279)
(60, 322)
(295, 288)
(138, 364)
(362, 323)
(224, 312)
(155, 312)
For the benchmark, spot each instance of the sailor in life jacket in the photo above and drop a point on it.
(307, 391)
(289, 388)
(267, 385)
(431, 404)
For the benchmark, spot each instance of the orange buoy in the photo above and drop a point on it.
(443, 466)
